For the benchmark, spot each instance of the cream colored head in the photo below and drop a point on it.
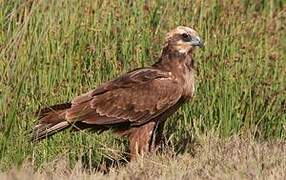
(183, 39)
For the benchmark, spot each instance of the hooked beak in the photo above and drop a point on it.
(197, 41)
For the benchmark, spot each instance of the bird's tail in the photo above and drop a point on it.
(51, 120)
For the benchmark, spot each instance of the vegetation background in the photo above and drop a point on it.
(52, 51)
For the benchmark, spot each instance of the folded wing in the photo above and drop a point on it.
(135, 98)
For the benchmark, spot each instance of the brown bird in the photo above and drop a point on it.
(135, 104)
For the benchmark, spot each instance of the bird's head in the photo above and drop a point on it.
(183, 39)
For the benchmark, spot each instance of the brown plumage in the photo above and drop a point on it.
(135, 104)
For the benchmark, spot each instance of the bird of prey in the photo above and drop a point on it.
(135, 104)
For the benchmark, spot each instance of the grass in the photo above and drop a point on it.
(52, 51)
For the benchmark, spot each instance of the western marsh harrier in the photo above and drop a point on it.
(135, 104)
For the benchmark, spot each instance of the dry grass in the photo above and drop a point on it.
(214, 158)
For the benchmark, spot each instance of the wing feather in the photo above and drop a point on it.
(136, 97)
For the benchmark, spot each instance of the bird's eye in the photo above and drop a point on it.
(186, 37)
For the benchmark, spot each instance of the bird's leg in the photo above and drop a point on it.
(160, 138)
(140, 139)
(152, 145)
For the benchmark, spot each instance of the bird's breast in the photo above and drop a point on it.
(189, 84)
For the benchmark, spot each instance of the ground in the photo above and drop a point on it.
(212, 158)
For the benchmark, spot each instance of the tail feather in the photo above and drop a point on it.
(42, 131)
(54, 113)
(51, 120)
